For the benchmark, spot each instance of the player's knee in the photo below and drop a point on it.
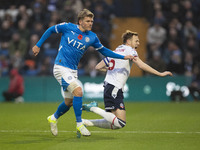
(114, 127)
(78, 92)
(121, 124)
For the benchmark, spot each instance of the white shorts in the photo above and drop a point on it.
(67, 79)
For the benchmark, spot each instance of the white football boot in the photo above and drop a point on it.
(83, 130)
(53, 126)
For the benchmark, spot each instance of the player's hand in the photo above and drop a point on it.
(130, 57)
(35, 50)
(166, 73)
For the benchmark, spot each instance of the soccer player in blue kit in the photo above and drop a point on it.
(75, 40)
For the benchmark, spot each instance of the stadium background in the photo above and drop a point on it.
(169, 32)
(160, 125)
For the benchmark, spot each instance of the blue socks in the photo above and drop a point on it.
(77, 105)
(62, 108)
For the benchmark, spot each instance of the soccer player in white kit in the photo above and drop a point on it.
(114, 115)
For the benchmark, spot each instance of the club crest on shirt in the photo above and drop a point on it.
(87, 39)
(70, 77)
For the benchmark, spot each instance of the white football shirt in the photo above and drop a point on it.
(119, 69)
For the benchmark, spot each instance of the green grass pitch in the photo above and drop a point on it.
(150, 126)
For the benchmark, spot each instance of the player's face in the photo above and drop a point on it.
(134, 43)
(86, 24)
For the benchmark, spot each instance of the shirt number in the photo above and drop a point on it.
(111, 64)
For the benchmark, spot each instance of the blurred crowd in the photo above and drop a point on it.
(23, 23)
(173, 37)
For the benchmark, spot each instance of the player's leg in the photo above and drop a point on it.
(112, 120)
(115, 114)
(65, 105)
(62, 109)
(77, 105)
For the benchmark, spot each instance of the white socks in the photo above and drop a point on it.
(110, 121)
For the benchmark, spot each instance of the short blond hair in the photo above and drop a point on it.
(128, 35)
(85, 13)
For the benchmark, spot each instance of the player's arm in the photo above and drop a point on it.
(48, 32)
(101, 66)
(108, 53)
(149, 69)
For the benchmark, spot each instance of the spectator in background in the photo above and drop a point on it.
(175, 64)
(159, 17)
(55, 17)
(23, 30)
(192, 46)
(32, 41)
(37, 29)
(12, 12)
(31, 62)
(156, 62)
(4, 65)
(77, 6)
(174, 36)
(39, 13)
(174, 11)
(189, 29)
(67, 13)
(188, 64)
(46, 67)
(23, 15)
(88, 4)
(17, 44)
(6, 32)
(156, 34)
(176, 24)
(16, 87)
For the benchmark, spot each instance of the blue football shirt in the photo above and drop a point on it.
(73, 44)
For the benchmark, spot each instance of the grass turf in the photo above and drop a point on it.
(150, 126)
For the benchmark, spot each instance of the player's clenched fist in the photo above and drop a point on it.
(35, 50)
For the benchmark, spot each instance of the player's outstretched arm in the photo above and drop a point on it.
(149, 69)
(48, 32)
(108, 53)
(166, 73)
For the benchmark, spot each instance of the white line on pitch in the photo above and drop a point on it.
(121, 132)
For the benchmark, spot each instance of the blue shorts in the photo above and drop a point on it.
(113, 98)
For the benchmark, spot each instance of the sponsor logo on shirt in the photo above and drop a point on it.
(76, 44)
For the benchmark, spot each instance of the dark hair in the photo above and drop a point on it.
(128, 35)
